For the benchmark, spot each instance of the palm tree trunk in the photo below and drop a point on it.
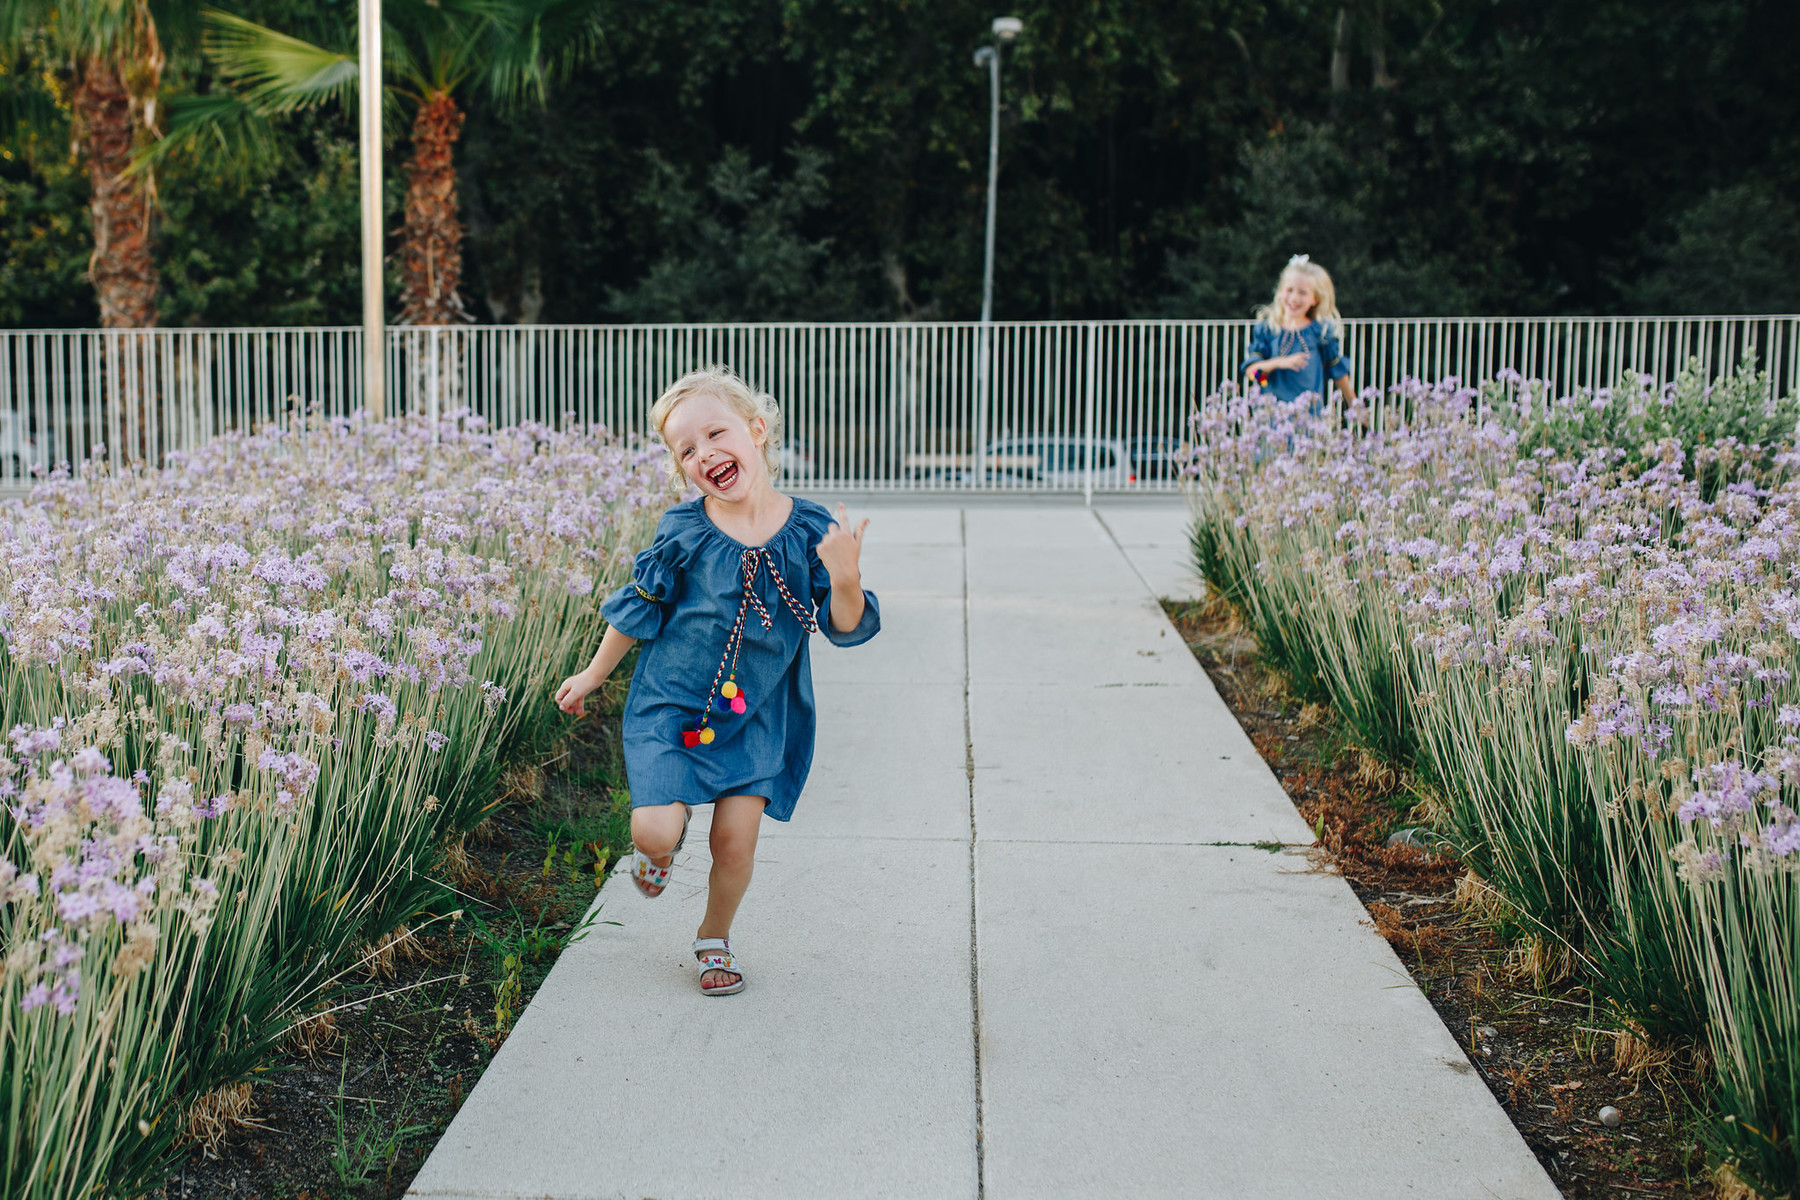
(431, 241)
(124, 275)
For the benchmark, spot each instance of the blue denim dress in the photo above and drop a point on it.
(687, 596)
(1327, 359)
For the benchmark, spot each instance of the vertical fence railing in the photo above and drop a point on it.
(1078, 405)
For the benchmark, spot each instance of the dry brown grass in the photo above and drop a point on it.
(523, 782)
(1428, 808)
(1423, 940)
(459, 868)
(1313, 716)
(1540, 961)
(1477, 898)
(1374, 774)
(314, 1035)
(218, 1114)
(397, 945)
(1727, 1185)
(1636, 1056)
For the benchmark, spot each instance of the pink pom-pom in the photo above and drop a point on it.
(738, 705)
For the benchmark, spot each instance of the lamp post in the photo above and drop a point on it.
(374, 321)
(1005, 30)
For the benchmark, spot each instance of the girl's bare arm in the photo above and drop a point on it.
(846, 603)
(574, 690)
(1286, 362)
(841, 552)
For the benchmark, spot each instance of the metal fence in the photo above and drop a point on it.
(1086, 405)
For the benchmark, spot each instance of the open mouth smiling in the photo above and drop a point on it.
(723, 475)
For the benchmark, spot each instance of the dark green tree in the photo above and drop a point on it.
(508, 50)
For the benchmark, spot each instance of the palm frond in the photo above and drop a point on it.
(530, 45)
(222, 134)
(433, 45)
(277, 73)
(110, 29)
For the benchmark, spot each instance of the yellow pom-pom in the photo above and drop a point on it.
(706, 736)
(729, 690)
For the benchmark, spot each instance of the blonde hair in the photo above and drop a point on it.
(1324, 309)
(721, 381)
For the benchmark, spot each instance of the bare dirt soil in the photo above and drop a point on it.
(1545, 1050)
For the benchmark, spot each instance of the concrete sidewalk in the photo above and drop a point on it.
(1039, 927)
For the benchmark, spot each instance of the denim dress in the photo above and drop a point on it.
(689, 592)
(1326, 359)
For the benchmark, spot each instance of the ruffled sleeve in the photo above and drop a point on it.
(1262, 346)
(639, 607)
(866, 628)
(1331, 356)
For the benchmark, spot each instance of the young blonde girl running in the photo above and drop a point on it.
(1294, 348)
(721, 703)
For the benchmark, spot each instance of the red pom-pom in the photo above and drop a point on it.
(690, 738)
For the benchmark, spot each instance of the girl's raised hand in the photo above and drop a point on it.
(841, 547)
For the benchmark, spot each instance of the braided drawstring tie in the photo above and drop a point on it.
(725, 692)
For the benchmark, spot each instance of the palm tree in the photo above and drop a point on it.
(433, 50)
(111, 60)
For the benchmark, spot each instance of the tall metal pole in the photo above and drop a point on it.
(1005, 30)
(369, 112)
(992, 54)
(985, 351)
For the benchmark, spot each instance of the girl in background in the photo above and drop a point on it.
(1294, 348)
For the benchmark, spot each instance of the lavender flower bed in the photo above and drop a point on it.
(249, 699)
(1576, 620)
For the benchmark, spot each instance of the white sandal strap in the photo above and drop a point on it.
(714, 954)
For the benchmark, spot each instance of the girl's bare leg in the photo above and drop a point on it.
(655, 828)
(736, 822)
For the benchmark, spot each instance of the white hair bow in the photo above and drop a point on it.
(1299, 260)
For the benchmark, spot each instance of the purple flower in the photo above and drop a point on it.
(218, 806)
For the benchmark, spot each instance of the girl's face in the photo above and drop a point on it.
(1297, 298)
(719, 452)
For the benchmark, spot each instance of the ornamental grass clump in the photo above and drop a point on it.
(1575, 621)
(251, 698)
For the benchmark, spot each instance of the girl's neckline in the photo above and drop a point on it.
(1297, 328)
(793, 510)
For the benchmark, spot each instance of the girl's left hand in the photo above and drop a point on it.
(841, 547)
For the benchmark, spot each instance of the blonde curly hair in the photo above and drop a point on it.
(747, 402)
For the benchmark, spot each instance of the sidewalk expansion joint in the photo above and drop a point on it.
(974, 891)
(1270, 847)
(1119, 546)
(796, 836)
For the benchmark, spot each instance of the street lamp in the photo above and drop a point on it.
(1005, 30)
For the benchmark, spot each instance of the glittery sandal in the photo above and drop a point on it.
(646, 874)
(714, 954)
